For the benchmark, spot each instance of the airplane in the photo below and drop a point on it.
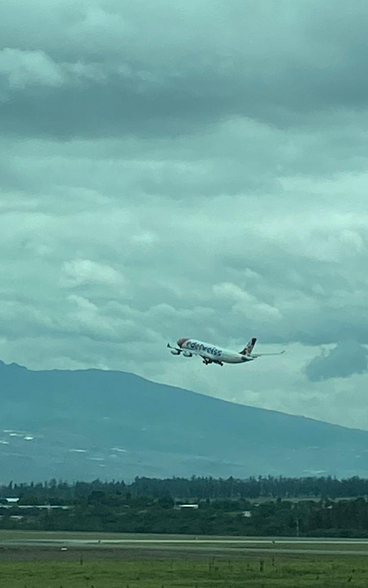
(213, 354)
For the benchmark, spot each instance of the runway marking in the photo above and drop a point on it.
(281, 542)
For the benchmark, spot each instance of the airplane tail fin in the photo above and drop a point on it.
(249, 348)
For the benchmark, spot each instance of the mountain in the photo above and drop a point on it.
(89, 424)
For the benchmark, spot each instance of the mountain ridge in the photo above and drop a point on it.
(107, 423)
(174, 387)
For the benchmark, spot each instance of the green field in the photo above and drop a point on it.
(282, 572)
(90, 560)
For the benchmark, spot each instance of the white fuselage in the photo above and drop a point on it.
(214, 353)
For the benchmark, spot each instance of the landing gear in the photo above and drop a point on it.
(208, 361)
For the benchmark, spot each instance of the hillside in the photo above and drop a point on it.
(90, 424)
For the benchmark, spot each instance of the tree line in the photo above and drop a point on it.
(100, 511)
(194, 488)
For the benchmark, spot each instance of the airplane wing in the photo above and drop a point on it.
(173, 347)
(261, 354)
(187, 352)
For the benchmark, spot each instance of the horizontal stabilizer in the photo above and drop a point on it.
(261, 354)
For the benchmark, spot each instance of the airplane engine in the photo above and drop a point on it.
(187, 354)
(175, 352)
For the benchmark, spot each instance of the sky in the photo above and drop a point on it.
(189, 169)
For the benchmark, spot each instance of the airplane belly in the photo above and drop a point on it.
(230, 358)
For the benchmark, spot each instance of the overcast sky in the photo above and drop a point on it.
(194, 168)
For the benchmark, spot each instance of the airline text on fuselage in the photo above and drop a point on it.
(201, 347)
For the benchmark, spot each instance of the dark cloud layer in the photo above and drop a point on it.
(344, 360)
(111, 70)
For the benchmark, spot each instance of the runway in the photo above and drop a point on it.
(179, 545)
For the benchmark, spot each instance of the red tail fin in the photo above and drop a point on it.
(249, 348)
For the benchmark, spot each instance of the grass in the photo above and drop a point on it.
(282, 572)
(158, 566)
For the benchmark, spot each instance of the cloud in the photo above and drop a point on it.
(111, 70)
(84, 271)
(188, 170)
(342, 361)
(21, 68)
(247, 304)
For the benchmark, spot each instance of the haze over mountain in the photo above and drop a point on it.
(92, 423)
